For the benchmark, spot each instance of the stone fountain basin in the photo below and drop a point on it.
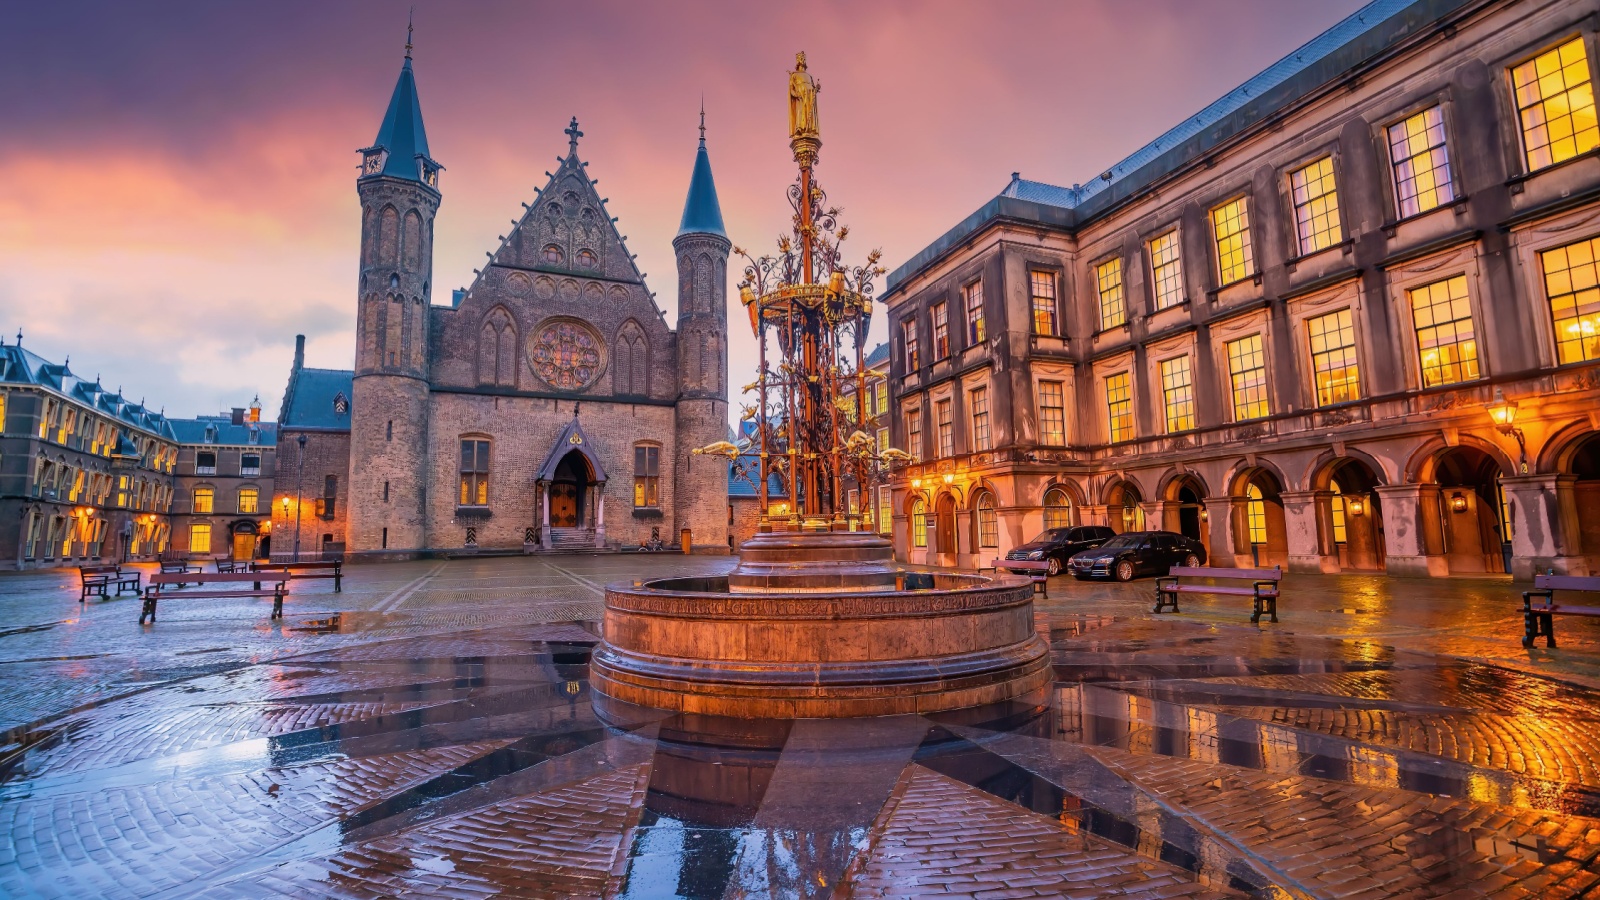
(689, 645)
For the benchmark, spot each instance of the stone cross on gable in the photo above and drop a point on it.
(573, 134)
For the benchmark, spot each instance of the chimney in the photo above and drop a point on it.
(299, 352)
(238, 415)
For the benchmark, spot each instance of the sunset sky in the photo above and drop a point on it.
(177, 196)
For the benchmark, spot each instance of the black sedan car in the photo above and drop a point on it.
(1056, 545)
(1137, 553)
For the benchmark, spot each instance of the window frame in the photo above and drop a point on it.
(972, 309)
(939, 319)
(1128, 432)
(1176, 264)
(1247, 263)
(988, 520)
(1102, 289)
(944, 428)
(1234, 375)
(210, 505)
(1039, 303)
(909, 350)
(255, 501)
(1542, 276)
(1185, 420)
(1518, 109)
(646, 475)
(1410, 292)
(1386, 141)
(1354, 347)
(473, 485)
(978, 414)
(1060, 408)
(1334, 232)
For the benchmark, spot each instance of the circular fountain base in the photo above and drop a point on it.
(693, 645)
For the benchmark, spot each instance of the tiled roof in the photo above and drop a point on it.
(1364, 36)
(193, 431)
(878, 355)
(310, 400)
(24, 367)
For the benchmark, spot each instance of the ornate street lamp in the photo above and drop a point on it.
(1504, 414)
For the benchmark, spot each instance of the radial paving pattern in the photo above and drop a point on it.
(1171, 758)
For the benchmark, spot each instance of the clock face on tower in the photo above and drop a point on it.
(372, 162)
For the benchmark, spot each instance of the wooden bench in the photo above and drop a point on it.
(230, 565)
(177, 567)
(155, 592)
(1264, 587)
(324, 569)
(1539, 620)
(1035, 569)
(97, 579)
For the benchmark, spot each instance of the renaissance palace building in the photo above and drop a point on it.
(1345, 318)
(548, 406)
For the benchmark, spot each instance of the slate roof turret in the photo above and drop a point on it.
(702, 214)
(402, 133)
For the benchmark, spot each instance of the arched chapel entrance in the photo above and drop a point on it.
(569, 490)
(1470, 510)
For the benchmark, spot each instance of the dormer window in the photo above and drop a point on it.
(553, 254)
(255, 434)
(341, 404)
(211, 434)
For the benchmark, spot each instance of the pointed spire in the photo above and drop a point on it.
(702, 214)
(402, 133)
(572, 134)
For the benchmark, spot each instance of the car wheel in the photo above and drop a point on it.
(1055, 566)
(1124, 570)
(1191, 561)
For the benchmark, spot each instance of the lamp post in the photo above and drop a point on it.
(299, 493)
(1504, 414)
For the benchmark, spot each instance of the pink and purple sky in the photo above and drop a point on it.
(177, 194)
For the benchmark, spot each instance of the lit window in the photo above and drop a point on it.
(1316, 206)
(474, 473)
(1108, 282)
(1445, 338)
(587, 259)
(1556, 104)
(1256, 513)
(979, 402)
(883, 396)
(1340, 535)
(883, 439)
(974, 297)
(204, 501)
(919, 523)
(1177, 392)
(853, 501)
(1333, 357)
(1052, 414)
(944, 429)
(1230, 223)
(199, 538)
(1166, 267)
(646, 476)
(941, 331)
(1042, 285)
(553, 254)
(908, 337)
(1421, 166)
(1570, 285)
(1057, 509)
(885, 514)
(1119, 406)
(3, 419)
(914, 433)
(988, 522)
(249, 501)
(1247, 374)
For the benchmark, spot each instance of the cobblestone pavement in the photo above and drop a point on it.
(428, 732)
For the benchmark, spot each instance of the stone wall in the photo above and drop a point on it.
(326, 453)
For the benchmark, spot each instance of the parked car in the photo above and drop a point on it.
(1137, 553)
(1056, 545)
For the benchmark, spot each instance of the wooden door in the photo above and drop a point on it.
(563, 504)
(244, 547)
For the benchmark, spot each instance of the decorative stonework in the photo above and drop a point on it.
(566, 354)
(544, 287)
(569, 289)
(619, 294)
(593, 293)
(519, 284)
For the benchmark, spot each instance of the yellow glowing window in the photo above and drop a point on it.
(646, 476)
(1108, 282)
(1421, 166)
(1042, 287)
(978, 402)
(1256, 513)
(1057, 509)
(883, 439)
(1247, 375)
(249, 500)
(988, 522)
(474, 473)
(1177, 393)
(1333, 357)
(1555, 103)
(919, 524)
(1166, 269)
(204, 501)
(944, 429)
(1316, 205)
(885, 516)
(1052, 414)
(941, 331)
(1119, 406)
(974, 297)
(199, 538)
(1570, 285)
(2, 412)
(1231, 224)
(1445, 337)
(1340, 535)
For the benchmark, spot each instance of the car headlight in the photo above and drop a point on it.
(1037, 554)
(1105, 560)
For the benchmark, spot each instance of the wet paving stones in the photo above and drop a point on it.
(429, 732)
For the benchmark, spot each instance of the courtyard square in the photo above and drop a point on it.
(429, 730)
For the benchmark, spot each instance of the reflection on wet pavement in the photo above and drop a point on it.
(1173, 757)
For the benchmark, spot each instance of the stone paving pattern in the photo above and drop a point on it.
(428, 732)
